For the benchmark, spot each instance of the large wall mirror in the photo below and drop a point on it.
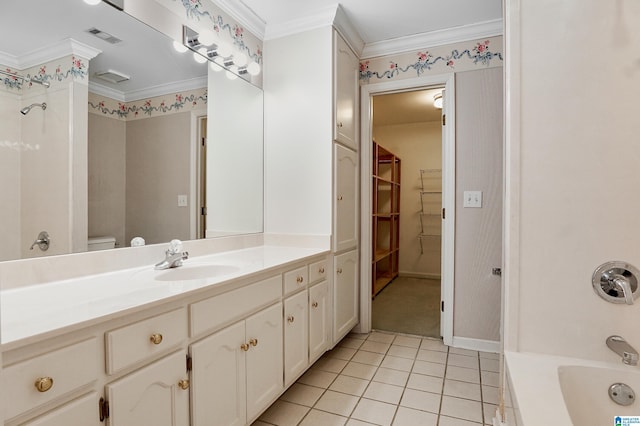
(111, 146)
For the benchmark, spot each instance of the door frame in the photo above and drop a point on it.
(197, 116)
(448, 193)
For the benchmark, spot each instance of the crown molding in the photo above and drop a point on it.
(244, 15)
(150, 92)
(319, 18)
(9, 60)
(49, 53)
(343, 25)
(433, 38)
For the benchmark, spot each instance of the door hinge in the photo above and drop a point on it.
(443, 213)
(103, 409)
(444, 119)
(496, 271)
(189, 363)
(203, 211)
(204, 141)
(442, 305)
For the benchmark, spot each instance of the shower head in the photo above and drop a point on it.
(26, 110)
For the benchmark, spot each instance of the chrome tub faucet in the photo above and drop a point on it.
(625, 350)
(173, 256)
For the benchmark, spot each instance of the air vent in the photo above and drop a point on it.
(103, 35)
(112, 76)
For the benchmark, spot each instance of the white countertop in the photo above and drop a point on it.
(37, 310)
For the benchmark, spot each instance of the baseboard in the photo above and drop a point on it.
(476, 344)
(419, 275)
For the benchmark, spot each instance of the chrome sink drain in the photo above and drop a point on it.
(622, 394)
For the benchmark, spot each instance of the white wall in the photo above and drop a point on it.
(573, 86)
(10, 175)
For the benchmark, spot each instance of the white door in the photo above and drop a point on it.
(346, 93)
(345, 293)
(296, 334)
(151, 395)
(345, 231)
(319, 332)
(218, 386)
(264, 359)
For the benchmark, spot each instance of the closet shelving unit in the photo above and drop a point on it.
(430, 205)
(386, 217)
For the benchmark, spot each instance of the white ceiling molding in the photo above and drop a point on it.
(318, 19)
(434, 38)
(151, 92)
(342, 23)
(59, 50)
(9, 61)
(244, 15)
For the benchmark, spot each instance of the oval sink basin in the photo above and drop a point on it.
(195, 272)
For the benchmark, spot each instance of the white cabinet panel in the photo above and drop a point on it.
(345, 293)
(80, 412)
(346, 93)
(319, 320)
(296, 346)
(345, 220)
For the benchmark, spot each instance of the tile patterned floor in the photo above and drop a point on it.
(389, 379)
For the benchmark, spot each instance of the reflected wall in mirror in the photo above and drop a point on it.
(106, 158)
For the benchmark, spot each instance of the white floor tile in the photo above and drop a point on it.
(396, 363)
(370, 358)
(460, 351)
(425, 383)
(410, 417)
(432, 356)
(333, 365)
(411, 342)
(420, 400)
(282, 413)
(462, 361)
(361, 336)
(381, 337)
(428, 368)
(341, 353)
(318, 378)
(337, 403)
(384, 392)
(361, 371)
(489, 355)
(402, 351)
(461, 408)
(350, 385)
(376, 412)
(302, 394)
(490, 365)
(377, 347)
(433, 345)
(490, 378)
(489, 411)
(463, 374)
(462, 389)
(490, 394)
(451, 421)
(391, 377)
(320, 418)
(354, 422)
(350, 342)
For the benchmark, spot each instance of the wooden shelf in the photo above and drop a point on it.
(386, 218)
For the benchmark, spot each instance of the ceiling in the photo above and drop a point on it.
(406, 108)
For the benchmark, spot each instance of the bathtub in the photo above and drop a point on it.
(553, 390)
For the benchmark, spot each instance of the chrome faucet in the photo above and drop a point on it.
(173, 256)
(624, 349)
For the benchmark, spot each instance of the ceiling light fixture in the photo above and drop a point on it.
(93, 2)
(207, 37)
(253, 68)
(200, 56)
(437, 100)
(179, 47)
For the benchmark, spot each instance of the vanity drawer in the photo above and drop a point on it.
(55, 373)
(318, 271)
(295, 279)
(214, 312)
(133, 343)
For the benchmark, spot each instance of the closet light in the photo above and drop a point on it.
(437, 100)
(179, 47)
(253, 68)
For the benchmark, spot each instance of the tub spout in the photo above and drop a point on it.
(625, 350)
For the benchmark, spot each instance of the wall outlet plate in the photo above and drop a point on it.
(182, 201)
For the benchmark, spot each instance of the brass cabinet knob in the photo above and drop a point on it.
(321, 270)
(183, 384)
(155, 338)
(300, 280)
(290, 319)
(43, 384)
(314, 304)
(339, 197)
(339, 270)
(253, 342)
(244, 347)
(340, 124)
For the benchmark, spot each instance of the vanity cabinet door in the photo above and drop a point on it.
(319, 320)
(218, 385)
(264, 359)
(346, 93)
(345, 221)
(296, 346)
(155, 395)
(345, 294)
(80, 412)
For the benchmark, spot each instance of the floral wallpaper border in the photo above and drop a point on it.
(440, 59)
(75, 67)
(152, 107)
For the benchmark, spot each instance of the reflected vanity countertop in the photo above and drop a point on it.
(40, 311)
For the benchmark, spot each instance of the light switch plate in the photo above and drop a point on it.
(182, 201)
(472, 199)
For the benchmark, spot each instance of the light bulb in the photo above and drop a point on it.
(224, 50)
(437, 101)
(179, 47)
(231, 76)
(207, 37)
(93, 2)
(253, 68)
(240, 59)
(198, 56)
(214, 66)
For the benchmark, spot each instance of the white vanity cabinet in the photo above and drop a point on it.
(79, 412)
(345, 214)
(237, 372)
(345, 83)
(345, 297)
(319, 320)
(296, 336)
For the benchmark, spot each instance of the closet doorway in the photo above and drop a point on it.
(406, 211)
